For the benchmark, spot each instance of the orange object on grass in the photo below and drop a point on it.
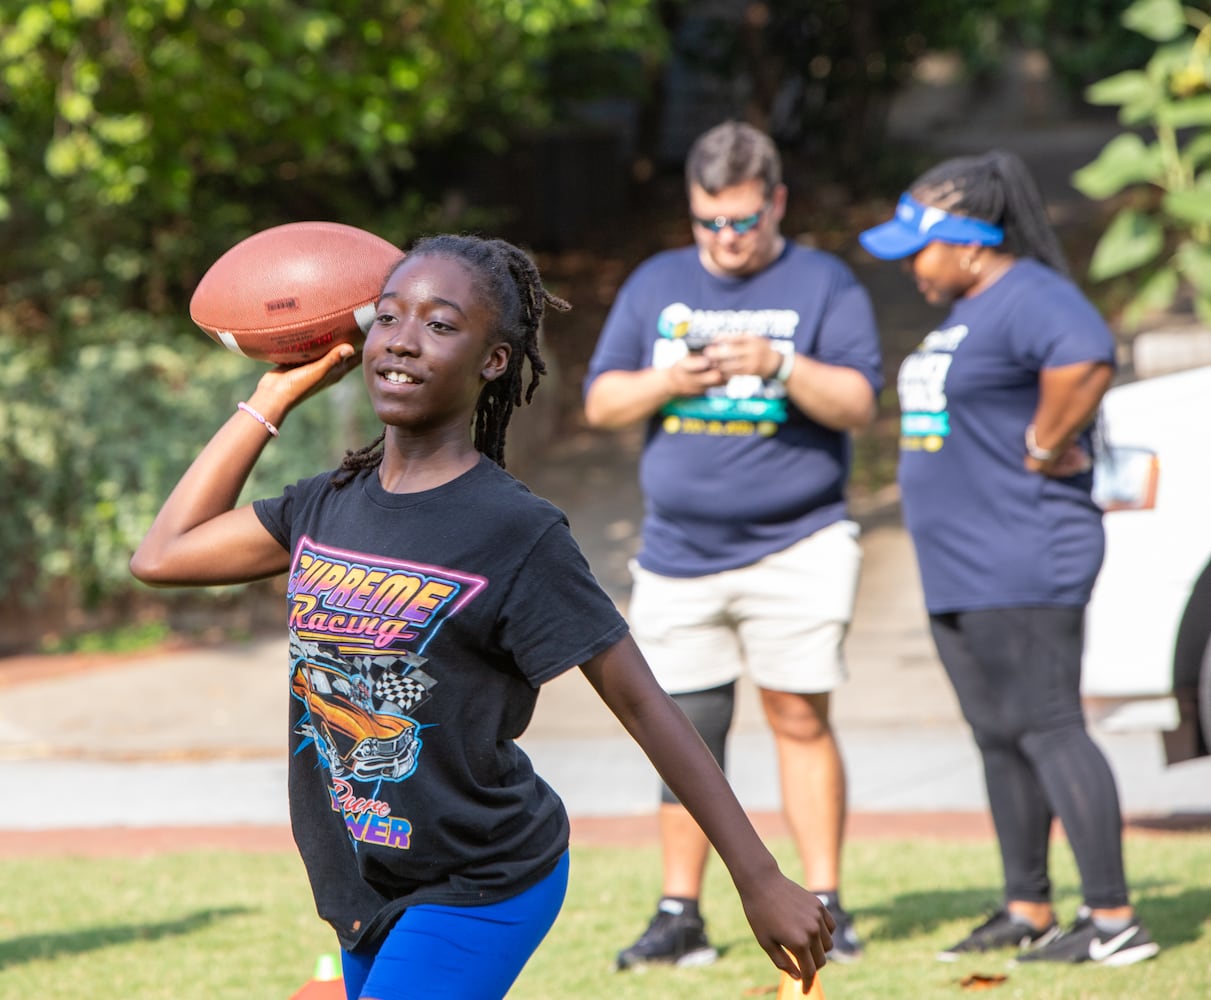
(790, 988)
(326, 983)
(321, 989)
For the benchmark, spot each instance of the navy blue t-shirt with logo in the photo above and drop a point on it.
(740, 473)
(988, 532)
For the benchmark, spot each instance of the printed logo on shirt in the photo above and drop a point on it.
(924, 419)
(746, 405)
(358, 626)
(363, 603)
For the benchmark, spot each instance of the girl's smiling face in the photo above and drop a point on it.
(431, 347)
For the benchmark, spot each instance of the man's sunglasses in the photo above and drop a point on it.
(739, 226)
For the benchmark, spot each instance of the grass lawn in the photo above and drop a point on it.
(228, 926)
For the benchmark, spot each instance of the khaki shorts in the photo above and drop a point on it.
(783, 619)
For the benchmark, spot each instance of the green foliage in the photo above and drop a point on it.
(140, 140)
(1162, 230)
(147, 137)
(91, 445)
(127, 638)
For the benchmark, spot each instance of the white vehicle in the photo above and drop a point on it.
(1147, 659)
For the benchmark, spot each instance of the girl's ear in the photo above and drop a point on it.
(497, 362)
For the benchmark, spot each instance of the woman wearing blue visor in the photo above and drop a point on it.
(995, 479)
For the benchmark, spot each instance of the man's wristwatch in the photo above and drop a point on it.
(1033, 449)
(787, 350)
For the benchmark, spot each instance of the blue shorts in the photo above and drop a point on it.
(463, 952)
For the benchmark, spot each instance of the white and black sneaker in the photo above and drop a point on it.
(674, 937)
(1084, 941)
(1001, 930)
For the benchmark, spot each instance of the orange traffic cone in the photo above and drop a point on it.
(790, 988)
(326, 982)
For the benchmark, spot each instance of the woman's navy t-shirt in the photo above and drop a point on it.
(988, 532)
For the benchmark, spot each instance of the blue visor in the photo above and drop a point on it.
(915, 225)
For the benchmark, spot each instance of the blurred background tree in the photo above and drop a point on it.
(140, 140)
(1159, 239)
(820, 75)
(140, 137)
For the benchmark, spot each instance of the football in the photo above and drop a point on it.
(289, 294)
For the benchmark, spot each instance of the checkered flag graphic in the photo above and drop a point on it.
(406, 691)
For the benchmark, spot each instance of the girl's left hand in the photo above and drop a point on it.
(791, 924)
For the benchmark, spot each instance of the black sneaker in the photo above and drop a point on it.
(673, 937)
(1084, 941)
(847, 946)
(1001, 930)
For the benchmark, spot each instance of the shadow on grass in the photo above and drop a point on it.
(15, 951)
(912, 914)
(1172, 919)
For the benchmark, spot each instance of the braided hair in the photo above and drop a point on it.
(508, 279)
(995, 187)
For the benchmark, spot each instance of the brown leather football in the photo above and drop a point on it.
(289, 294)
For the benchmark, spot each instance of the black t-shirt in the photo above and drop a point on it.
(421, 626)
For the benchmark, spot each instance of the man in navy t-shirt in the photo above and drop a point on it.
(751, 359)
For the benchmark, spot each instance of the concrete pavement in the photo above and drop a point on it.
(196, 736)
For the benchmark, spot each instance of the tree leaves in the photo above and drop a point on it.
(1194, 261)
(1154, 297)
(1171, 95)
(1131, 240)
(1160, 20)
(1125, 159)
(139, 140)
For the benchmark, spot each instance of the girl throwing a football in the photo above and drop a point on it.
(430, 595)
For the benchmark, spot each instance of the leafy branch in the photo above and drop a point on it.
(1163, 229)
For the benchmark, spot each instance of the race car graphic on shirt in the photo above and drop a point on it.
(358, 628)
(357, 711)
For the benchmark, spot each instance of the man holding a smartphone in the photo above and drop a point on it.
(751, 359)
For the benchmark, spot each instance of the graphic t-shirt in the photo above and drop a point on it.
(989, 533)
(421, 626)
(733, 476)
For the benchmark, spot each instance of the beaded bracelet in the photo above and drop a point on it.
(258, 418)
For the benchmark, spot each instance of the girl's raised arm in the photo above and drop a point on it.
(200, 537)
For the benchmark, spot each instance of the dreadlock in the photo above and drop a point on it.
(995, 187)
(511, 282)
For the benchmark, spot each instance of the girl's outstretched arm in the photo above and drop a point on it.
(199, 537)
(786, 919)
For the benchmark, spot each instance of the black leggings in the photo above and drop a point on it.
(1017, 674)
